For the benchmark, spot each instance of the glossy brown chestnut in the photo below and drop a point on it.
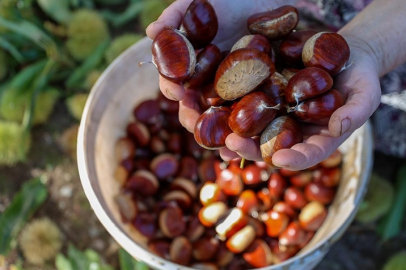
(211, 129)
(333, 160)
(194, 229)
(288, 73)
(139, 133)
(283, 132)
(258, 226)
(266, 201)
(328, 51)
(171, 221)
(210, 193)
(329, 177)
(253, 175)
(295, 197)
(145, 224)
(281, 253)
(206, 170)
(231, 222)
(284, 208)
(126, 206)
(293, 235)
(186, 185)
(241, 240)
(274, 87)
(143, 182)
(258, 254)
(180, 250)
(223, 256)
(160, 247)
(199, 23)
(307, 83)
(147, 111)
(258, 42)
(209, 97)
(205, 248)
(318, 110)
(275, 222)
(181, 198)
(301, 179)
(290, 49)
(207, 62)
(211, 213)
(248, 201)
(174, 143)
(188, 168)
(252, 114)
(241, 72)
(173, 55)
(287, 173)
(320, 193)
(312, 216)
(277, 185)
(166, 104)
(274, 24)
(124, 149)
(229, 180)
(164, 166)
(157, 145)
(309, 236)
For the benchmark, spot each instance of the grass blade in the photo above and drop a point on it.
(22, 207)
(7, 46)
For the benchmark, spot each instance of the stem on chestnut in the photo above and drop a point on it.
(147, 62)
(277, 107)
(242, 163)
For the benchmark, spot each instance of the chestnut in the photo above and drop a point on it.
(209, 97)
(188, 168)
(185, 185)
(258, 42)
(229, 180)
(293, 235)
(333, 160)
(173, 55)
(139, 133)
(147, 111)
(206, 170)
(166, 104)
(164, 166)
(295, 197)
(275, 222)
(205, 248)
(281, 253)
(174, 143)
(143, 182)
(160, 247)
(290, 49)
(180, 250)
(319, 109)
(211, 129)
(248, 201)
(308, 237)
(231, 222)
(124, 149)
(275, 87)
(287, 173)
(199, 23)
(145, 224)
(258, 226)
(320, 193)
(210, 193)
(171, 221)
(253, 175)
(284, 208)
(288, 73)
(307, 83)
(252, 114)
(121, 174)
(283, 132)
(265, 199)
(312, 216)
(207, 62)
(194, 229)
(274, 24)
(276, 185)
(328, 177)
(241, 72)
(211, 213)
(181, 198)
(258, 254)
(301, 179)
(157, 145)
(224, 256)
(241, 240)
(328, 51)
(127, 207)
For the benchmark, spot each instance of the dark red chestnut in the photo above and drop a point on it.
(164, 166)
(274, 87)
(206, 170)
(206, 65)
(180, 250)
(171, 221)
(147, 111)
(301, 179)
(295, 198)
(241, 72)
(143, 182)
(274, 24)
(185, 185)
(318, 110)
(166, 104)
(283, 132)
(290, 49)
(252, 114)
(160, 247)
(312, 216)
(127, 206)
(293, 235)
(209, 97)
(205, 248)
(229, 180)
(139, 133)
(211, 129)
(277, 185)
(328, 51)
(253, 175)
(124, 149)
(333, 160)
(258, 254)
(173, 55)
(284, 208)
(230, 223)
(307, 83)
(329, 177)
(275, 222)
(258, 42)
(199, 24)
(248, 201)
(145, 224)
(320, 193)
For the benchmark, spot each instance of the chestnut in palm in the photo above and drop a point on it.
(290, 49)
(258, 42)
(252, 114)
(283, 132)
(211, 129)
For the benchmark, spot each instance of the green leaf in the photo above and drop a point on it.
(62, 263)
(24, 78)
(7, 46)
(76, 78)
(127, 262)
(77, 258)
(22, 207)
(119, 19)
(392, 223)
(57, 10)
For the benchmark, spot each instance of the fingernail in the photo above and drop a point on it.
(345, 126)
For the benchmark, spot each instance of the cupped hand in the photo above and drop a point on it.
(360, 87)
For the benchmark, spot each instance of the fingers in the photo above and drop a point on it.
(171, 17)
(244, 147)
(171, 90)
(189, 110)
(227, 155)
(363, 99)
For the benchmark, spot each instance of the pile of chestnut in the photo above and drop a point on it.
(269, 83)
(184, 204)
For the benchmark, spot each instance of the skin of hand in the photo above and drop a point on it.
(359, 84)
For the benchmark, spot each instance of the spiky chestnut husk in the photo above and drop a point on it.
(152, 9)
(68, 140)
(3, 64)
(40, 241)
(86, 31)
(396, 262)
(12, 106)
(119, 45)
(76, 104)
(377, 201)
(14, 143)
(92, 78)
